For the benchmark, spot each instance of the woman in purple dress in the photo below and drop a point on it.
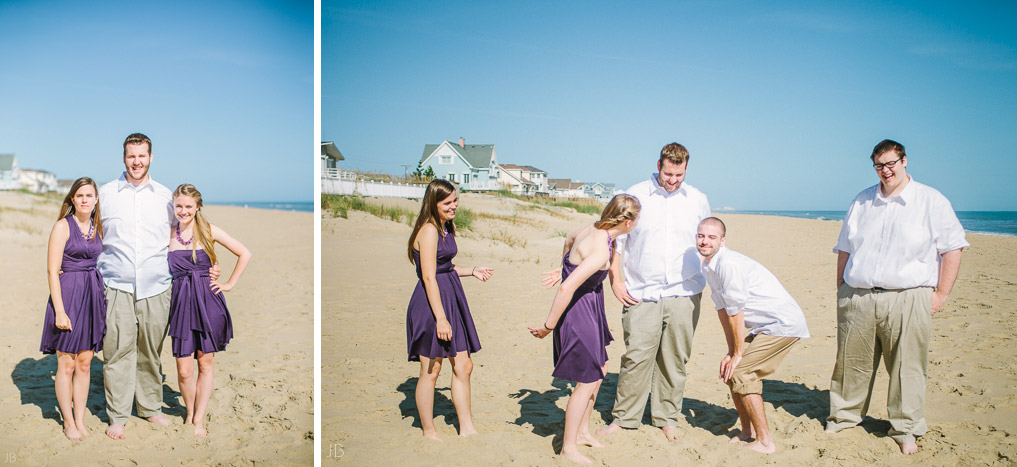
(578, 319)
(438, 320)
(199, 322)
(75, 321)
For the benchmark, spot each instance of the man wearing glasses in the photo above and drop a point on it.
(898, 256)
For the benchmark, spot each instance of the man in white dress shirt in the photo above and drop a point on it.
(748, 297)
(898, 256)
(660, 293)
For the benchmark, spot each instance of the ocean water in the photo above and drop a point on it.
(301, 206)
(983, 222)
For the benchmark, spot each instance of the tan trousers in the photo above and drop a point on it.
(658, 343)
(894, 324)
(760, 358)
(132, 368)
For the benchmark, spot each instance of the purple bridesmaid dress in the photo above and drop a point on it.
(198, 318)
(84, 298)
(582, 334)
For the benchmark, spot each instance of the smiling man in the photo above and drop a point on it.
(136, 214)
(660, 293)
(898, 256)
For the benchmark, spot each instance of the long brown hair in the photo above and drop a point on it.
(436, 191)
(621, 208)
(202, 231)
(67, 208)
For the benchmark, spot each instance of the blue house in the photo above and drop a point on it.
(10, 174)
(472, 166)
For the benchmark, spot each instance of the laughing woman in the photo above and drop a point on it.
(438, 320)
(199, 322)
(75, 321)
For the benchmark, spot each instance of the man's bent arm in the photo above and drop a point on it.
(842, 259)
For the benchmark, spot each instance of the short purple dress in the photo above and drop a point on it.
(84, 298)
(582, 335)
(198, 318)
(421, 337)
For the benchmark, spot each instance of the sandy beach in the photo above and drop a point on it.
(262, 409)
(368, 410)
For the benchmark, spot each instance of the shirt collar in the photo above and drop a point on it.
(712, 265)
(122, 184)
(905, 196)
(655, 187)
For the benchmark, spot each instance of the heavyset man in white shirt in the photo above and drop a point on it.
(660, 293)
(898, 256)
(748, 296)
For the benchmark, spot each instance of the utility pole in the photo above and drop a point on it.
(406, 171)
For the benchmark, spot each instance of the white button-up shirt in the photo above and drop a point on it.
(742, 285)
(136, 242)
(896, 242)
(660, 258)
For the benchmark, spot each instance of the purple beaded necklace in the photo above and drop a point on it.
(91, 229)
(182, 242)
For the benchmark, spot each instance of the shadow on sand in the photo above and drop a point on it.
(35, 378)
(443, 406)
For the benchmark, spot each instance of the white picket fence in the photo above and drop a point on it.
(340, 183)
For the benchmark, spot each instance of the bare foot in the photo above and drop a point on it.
(159, 420)
(614, 427)
(760, 447)
(72, 433)
(672, 433)
(574, 456)
(199, 430)
(464, 432)
(116, 431)
(586, 439)
(741, 437)
(908, 448)
(432, 435)
(81, 429)
(829, 431)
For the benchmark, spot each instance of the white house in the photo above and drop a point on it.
(329, 156)
(601, 191)
(472, 166)
(10, 174)
(38, 181)
(566, 188)
(514, 178)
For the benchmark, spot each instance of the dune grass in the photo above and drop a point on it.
(341, 205)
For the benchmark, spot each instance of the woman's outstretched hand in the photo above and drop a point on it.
(551, 278)
(483, 273)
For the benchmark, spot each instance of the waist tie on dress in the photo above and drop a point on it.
(77, 265)
(198, 318)
(445, 268)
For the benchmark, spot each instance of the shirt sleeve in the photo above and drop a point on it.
(949, 234)
(735, 289)
(843, 243)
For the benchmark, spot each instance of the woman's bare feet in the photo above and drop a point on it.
(741, 437)
(199, 430)
(575, 456)
(432, 434)
(72, 433)
(760, 447)
(464, 432)
(81, 429)
(586, 439)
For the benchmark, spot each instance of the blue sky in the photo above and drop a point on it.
(224, 89)
(779, 104)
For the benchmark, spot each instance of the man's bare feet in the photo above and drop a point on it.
(72, 433)
(671, 433)
(160, 420)
(741, 437)
(199, 430)
(609, 429)
(908, 448)
(116, 431)
(760, 447)
(575, 456)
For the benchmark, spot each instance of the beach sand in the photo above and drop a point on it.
(262, 409)
(368, 409)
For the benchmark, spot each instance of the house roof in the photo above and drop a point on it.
(524, 168)
(522, 179)
(564, 184)
(533, 169)
(330, 150)
(477, 155)
(7, 161)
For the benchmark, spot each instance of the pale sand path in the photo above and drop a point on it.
(261, 410)
(367, 383)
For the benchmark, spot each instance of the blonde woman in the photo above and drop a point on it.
(199, 322)
(75, 320)
(438, 320)
(578, 319)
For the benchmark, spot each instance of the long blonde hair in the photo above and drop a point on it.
(436, 191)
(621, 208)
(202, 230)
(67, 208)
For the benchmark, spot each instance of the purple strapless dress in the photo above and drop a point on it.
(582, 335)
(84, 297)
(421, 337)
(198, 318)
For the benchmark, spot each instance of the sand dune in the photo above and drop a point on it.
(369, 415)
(262, 409)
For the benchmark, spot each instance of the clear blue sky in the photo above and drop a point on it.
(225, 89)
(779, 103)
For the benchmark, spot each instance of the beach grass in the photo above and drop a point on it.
(341, 205)
(582, 205)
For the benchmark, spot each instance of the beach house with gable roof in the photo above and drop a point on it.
(471, 166)
(523, 179)
(10, 173)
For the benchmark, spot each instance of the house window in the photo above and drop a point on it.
(451, 177)
(466, 178)
(445, 160)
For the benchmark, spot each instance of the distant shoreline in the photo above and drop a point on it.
(299, 206)
(1001, 223)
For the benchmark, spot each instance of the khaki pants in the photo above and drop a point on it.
(894, 324)
(658, 343)
(759, 359)
(132, 368)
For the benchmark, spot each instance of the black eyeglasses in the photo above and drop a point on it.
(887, 164)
